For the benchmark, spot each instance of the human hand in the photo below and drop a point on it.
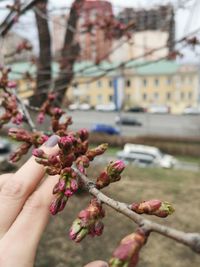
(24, 211)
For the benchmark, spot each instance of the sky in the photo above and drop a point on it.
(186, 20)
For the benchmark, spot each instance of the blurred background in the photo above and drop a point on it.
(129, 72)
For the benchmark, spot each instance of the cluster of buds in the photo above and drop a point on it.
(9, 103)
(111, 174)
(46, 107)
(28, 138)
(23, 46)
(88, 222)
(73, 149)
(127, 253)
(65, 188)
(153, 207)
(58, 127)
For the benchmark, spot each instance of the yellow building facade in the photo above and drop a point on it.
(163, 83)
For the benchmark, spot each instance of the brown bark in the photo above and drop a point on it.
(69, 53)
(44, 61)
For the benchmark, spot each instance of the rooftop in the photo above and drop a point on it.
(88, 69)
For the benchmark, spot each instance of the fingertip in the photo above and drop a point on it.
(97, 264)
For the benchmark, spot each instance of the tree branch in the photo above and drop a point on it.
(12, 16)
(44, 63)
(70, 50)
(191, 240)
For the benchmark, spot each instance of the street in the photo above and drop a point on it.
(152, 124)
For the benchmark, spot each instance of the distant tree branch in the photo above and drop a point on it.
(10, 19)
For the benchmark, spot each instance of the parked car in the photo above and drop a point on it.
(159, 109)
(137, 109)
(73, 107)
(108, 107)
(124, 120)
(146, 155)
(85, 106)
(105, 128)
(191, 111)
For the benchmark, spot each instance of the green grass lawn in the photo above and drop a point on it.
(178, 187)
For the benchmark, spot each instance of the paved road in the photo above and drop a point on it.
(158, 124)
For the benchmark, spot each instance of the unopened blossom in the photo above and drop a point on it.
(111, 174)
(127, 253)
(97, 151)
(88, 222)
(58, 204)
(153, 207)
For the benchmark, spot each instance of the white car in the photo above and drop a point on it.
(108, 107)
(191, 111)
(157, 109)
(84, 106)
(74, 106)
(146, 155)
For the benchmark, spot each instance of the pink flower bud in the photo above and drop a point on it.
(40, 117)
(58, 111)
(92, 153)
(51, 96)
(18, 119)
(65, 142)
(68, 192)
(62, 185)
(74, 185)
(116, 167)
(83, 134)
(12, 84)
(57, 204)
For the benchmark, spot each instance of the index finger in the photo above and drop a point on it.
(18, 187)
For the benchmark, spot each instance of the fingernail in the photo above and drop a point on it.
(52, 141)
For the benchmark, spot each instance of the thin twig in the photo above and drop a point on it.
(26, 114)
(191, 240)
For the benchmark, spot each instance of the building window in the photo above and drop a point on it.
(168, 96)
(99, 84)
(99, 99)
(156, 96)
(110, 98)
(144, 81)
(182, 95)
(169, 81)
(190, 95)
(144, 96)
(110, 83)
(156, 82)
(88, 98)
(128, 83)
